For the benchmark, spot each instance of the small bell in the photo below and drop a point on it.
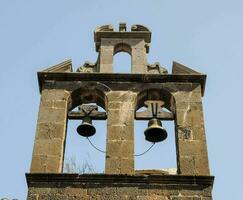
(86, 129)
(155, 132)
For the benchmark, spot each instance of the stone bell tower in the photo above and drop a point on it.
(121, 96)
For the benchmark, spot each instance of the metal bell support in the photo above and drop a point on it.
(155, 132)
(86, 129)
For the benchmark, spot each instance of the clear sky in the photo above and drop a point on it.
(205, 35)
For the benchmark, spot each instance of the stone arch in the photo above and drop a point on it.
(122, 47)
(124, 51)
(136, 48)
(156, 94)
(93, 92)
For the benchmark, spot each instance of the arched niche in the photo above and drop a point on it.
(122, 60)
(90, 93)
(162, 157)
(79, 147)
(122, 47)
(156, 94)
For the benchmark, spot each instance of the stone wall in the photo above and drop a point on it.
(118, 187)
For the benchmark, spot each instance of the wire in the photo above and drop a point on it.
(95, 146)
(145, 151)
(105, 151)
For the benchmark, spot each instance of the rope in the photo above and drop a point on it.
(105, 151)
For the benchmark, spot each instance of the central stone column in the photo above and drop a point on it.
(120, 132)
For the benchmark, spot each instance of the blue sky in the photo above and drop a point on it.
(205, 35)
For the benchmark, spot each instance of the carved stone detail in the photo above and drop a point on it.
(154, 109)
(156, 68)
(88, 67)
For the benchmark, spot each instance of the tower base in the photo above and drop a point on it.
(118, 187)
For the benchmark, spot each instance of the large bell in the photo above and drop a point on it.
(86, 129)
(155, 132)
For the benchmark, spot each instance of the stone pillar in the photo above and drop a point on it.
(139, 58)
(49, 146)
(120, 132)
(192, 157)
(106, 58)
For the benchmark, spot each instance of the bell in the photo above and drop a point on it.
(86, 129)
(155, 132)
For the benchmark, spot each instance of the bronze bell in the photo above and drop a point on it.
(86, 129)
(155, 132)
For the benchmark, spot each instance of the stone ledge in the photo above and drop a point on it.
(146, 35)
(110, 179)
(111, 77)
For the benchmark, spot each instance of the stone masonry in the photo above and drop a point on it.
(120, 95)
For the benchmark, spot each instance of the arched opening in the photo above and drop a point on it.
(80, 155)
(162, 156)
(122, 61)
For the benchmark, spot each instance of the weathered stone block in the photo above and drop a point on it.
(112, 165)
(60, 104)
(193, 97)
(186, 198)
(201, 165)
(199, 133)
(106, 56)
(113, 149)
(33, 197)
(189, 117)
(129, 105)
(139, 56)
(127, 166)
(120, 117)
(192, 147)
(193, 190)
(78, 197)
(46, 164)
(106, 68)
(126, 190)
(52, 147)
(121, 96)
(184, 133)
(54, 94)
(47, 114)
(186, 165)
(53, 197)
(127, 149)
(182, 105)
(135, 43)
(101, 190)
(110, 42)
(139, 68)
(50, 131)
(162, 190)
(120, 132)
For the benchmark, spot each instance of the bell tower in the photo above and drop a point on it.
(121, 96)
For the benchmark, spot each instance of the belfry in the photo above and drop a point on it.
(121, 96)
